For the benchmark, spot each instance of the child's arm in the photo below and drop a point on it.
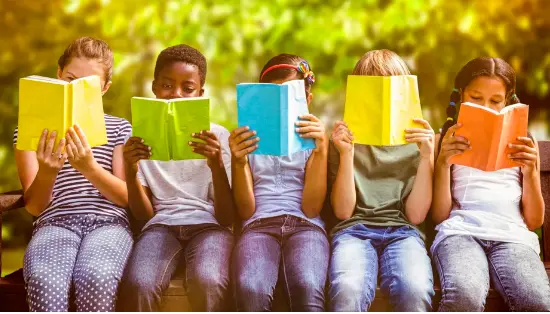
(532, 201)
(419, 200)
(315, 182)
(223, 199)
(139, 196)
(241, 145)
(38, 172)
(111, 185)
(442, 199)
(342, 196)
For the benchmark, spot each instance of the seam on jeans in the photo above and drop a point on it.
(442, 280)
(287, 289)
(393, 279)
(505, 289)
(170, 262)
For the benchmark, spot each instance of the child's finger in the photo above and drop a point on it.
(248, 143)
(315, 135)
(81, 136)
(308, 129)
(459, 146)
(60, 147)
(50, 143)
(424, 123)
(522, 155)
(310, 117)
(452, 130)
(244, 136)
(526, 140)
(211, 141)
(69, 150)
(247, 150)
(422, 135)
(523, 148)
(307, 123)
(238, 131)
(416, 130)
(42, 142)
(76, 141)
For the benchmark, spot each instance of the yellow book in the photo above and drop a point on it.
(56, 105)
(379, 108)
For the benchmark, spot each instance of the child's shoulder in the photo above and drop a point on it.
(112, 120)
(218, 129)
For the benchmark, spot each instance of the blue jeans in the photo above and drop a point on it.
(286, 246)
(205, 250)
(468, 265)
(84, 252)
(398, 253)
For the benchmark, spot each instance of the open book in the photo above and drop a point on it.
(56, 105)
(167, 124)
(489, 133)
(272, 111)
(378, 109)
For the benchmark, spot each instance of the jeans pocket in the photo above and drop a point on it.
(251, 225)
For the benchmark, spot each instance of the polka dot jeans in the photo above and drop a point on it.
(84, 254)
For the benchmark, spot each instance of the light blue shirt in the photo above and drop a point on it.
(278, 186)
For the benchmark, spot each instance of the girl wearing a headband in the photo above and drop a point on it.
(279, 199)
(486, 218)
(380, 194)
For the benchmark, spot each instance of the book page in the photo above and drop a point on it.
(363, 110)
(404, 105)
(515, 123)
(41, 106)
(296, 106)
(258, 107)
(87, 109)
(46, 79)
(187, 116)
(478, 126)
(149, 122)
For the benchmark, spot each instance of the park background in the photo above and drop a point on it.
(434, 37)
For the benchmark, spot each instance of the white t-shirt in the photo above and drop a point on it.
(183, 191)
(489, 208)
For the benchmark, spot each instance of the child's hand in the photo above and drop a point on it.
(79, 151)
(424, 138)
(452, 145)
(50, 159)
(526, 155)
(314, 129)
(342, 137)
(241, 144)
(134, 151)
(211, 149)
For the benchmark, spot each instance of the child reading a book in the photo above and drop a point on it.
(380, 194)
(279, 200)
(486, 218)
(186, 205)
(77, 193)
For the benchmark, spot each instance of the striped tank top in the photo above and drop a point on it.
(73, 194)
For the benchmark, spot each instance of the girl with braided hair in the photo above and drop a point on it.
(486, 219)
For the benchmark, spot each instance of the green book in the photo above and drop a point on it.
(167, 124)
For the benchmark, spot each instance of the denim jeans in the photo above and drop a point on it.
(397, 255)
(467, 266)
(204, 249)
(85, 253)
(288, 248)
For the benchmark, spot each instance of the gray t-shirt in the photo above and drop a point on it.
(183, 191)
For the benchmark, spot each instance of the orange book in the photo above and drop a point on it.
(489, 133)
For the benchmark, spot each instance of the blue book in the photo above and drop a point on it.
(272, 111)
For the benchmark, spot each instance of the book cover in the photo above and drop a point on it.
(489, 133)
(167, 124)
(378, 109)
(272, 111)
(68, 103)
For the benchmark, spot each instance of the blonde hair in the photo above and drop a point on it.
(89, 48)
(382, 62)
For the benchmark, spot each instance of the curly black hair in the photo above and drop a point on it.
(182, 53)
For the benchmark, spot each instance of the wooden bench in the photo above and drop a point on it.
(12, 290)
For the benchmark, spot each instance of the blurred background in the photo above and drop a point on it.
(434, 37)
